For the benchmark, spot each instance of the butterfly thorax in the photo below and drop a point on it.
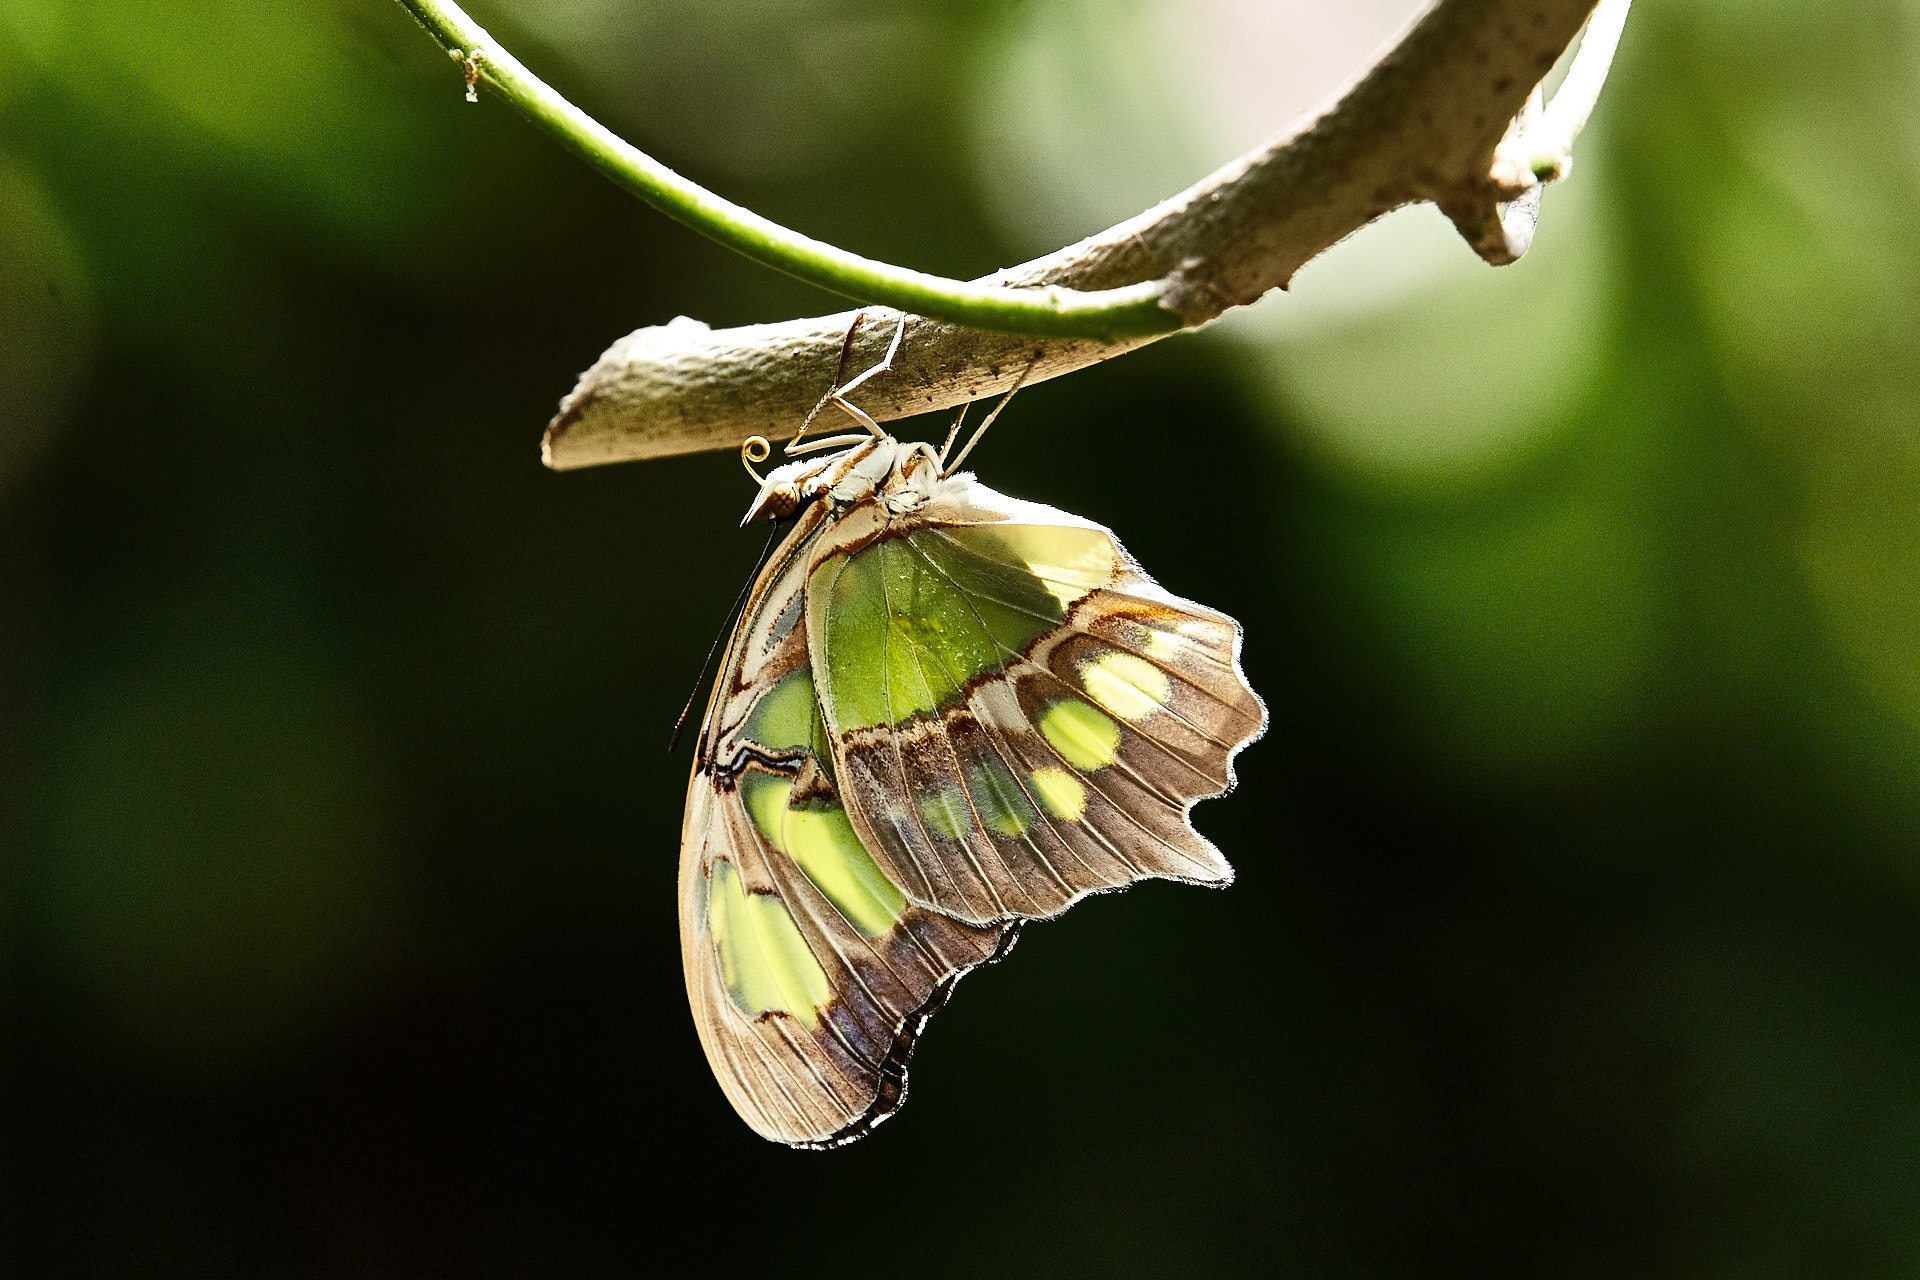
(903, 476)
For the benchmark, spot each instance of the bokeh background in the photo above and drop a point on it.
(1578, 923)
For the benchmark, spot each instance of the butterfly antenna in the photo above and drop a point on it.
(726, 629)
(953, 433)
(948, 468)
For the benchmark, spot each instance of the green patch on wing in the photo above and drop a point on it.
(992, 798)
(1002, 805)
(908, 621)
(814, 831)
(787, 717)
(822, 842)
(945, 812)
(765, 963)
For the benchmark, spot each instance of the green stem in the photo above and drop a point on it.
(1132, 311)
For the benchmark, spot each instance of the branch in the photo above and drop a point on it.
(1546, 149)
(1425, 123)
(1131, 308)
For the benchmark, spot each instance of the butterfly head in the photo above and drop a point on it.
(902, 475)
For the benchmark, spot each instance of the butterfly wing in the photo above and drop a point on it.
(809, 973)
(1019, 715)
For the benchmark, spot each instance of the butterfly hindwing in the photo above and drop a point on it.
(809, 972)
(1020, 716)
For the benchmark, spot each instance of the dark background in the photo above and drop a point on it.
(1578, 923)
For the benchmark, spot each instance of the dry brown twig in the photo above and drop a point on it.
(1452, 114)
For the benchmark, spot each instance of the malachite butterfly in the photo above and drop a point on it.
(943, 713)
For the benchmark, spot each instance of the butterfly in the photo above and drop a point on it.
(942, 713)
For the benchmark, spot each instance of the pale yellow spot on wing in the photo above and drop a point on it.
(822, 842)
(1164, 645)
(766, 800)
(801, 978)
(1084, 738)
(765, 963)
(1068, 560)
(1060, 793)
(1130, 687)
(1064, 590)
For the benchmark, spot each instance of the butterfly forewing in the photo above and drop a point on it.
(809, 971)
(1019, 714)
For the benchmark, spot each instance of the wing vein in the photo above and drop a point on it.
(893, 738)
(993, 733)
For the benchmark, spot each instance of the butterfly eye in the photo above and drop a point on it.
(781, 500)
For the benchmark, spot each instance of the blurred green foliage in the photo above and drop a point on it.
(1578, 926)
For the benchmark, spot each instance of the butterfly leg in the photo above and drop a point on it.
(836, 394)
(948, 468)
(953, 434)
(839, 394)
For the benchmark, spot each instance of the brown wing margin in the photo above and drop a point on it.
(891, 1093)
